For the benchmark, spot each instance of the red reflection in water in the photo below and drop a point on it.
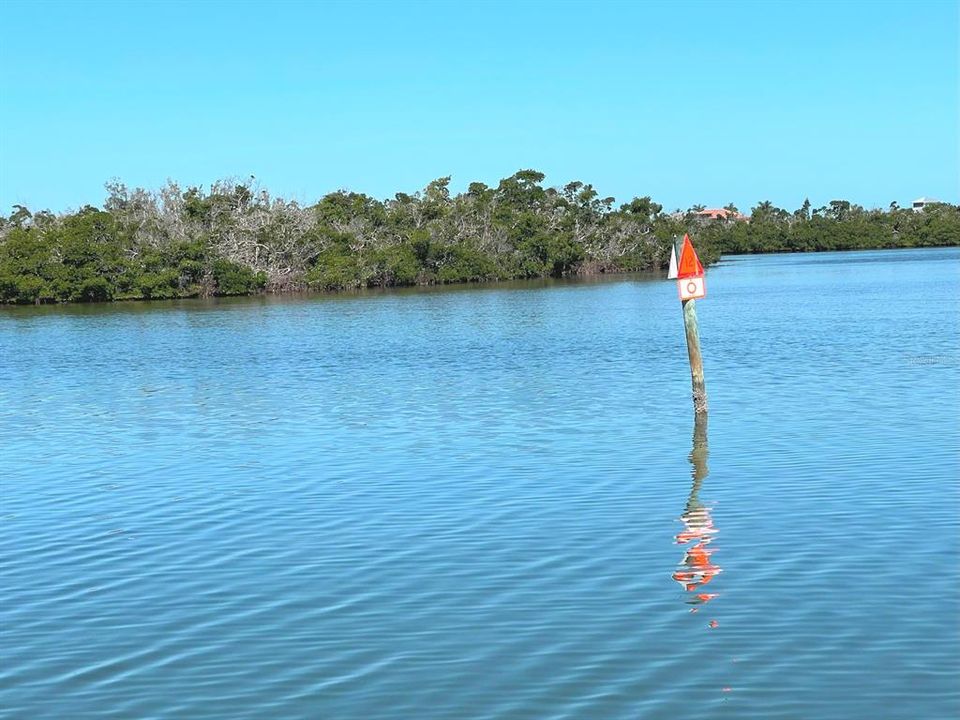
(697, 567)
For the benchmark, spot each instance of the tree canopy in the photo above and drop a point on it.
(234, 239)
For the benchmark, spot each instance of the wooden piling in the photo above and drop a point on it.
(696, 359)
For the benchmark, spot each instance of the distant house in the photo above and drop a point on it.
(920, 203)
(720, 214)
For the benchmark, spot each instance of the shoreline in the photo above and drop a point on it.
(234, 239)
(586, 278)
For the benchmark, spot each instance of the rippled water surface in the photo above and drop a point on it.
(490, 503)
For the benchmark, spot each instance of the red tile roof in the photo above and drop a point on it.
(719, 214)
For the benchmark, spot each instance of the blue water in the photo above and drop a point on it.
(488, 503)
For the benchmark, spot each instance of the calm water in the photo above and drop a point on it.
(489, 503)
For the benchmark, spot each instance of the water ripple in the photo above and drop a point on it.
(486, 504)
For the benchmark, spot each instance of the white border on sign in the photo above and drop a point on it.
(692, 288)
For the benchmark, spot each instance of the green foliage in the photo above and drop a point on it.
(27, 267)
(393, 265)
(839, 225)
(90, 257)
(462, 263)
(77, 260)
(235, 240)
(544, 254)
(234, 279)
(335, 270)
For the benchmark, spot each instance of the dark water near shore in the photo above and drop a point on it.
(480, 503)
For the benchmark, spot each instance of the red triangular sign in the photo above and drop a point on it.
(689, 265)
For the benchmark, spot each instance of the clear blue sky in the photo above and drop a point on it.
(688, 102)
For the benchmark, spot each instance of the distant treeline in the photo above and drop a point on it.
(236, 240)
(838, 226)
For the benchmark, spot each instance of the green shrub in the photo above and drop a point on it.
(396, 265)
(234, 279)
(462, 263)
(334, 271)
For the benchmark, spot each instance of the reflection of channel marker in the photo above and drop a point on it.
(691, 288)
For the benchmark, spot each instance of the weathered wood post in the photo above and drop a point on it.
(696, 359)
(685, 266)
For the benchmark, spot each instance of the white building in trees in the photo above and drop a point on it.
(920, 203)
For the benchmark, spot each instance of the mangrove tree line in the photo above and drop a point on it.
(234, 239)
